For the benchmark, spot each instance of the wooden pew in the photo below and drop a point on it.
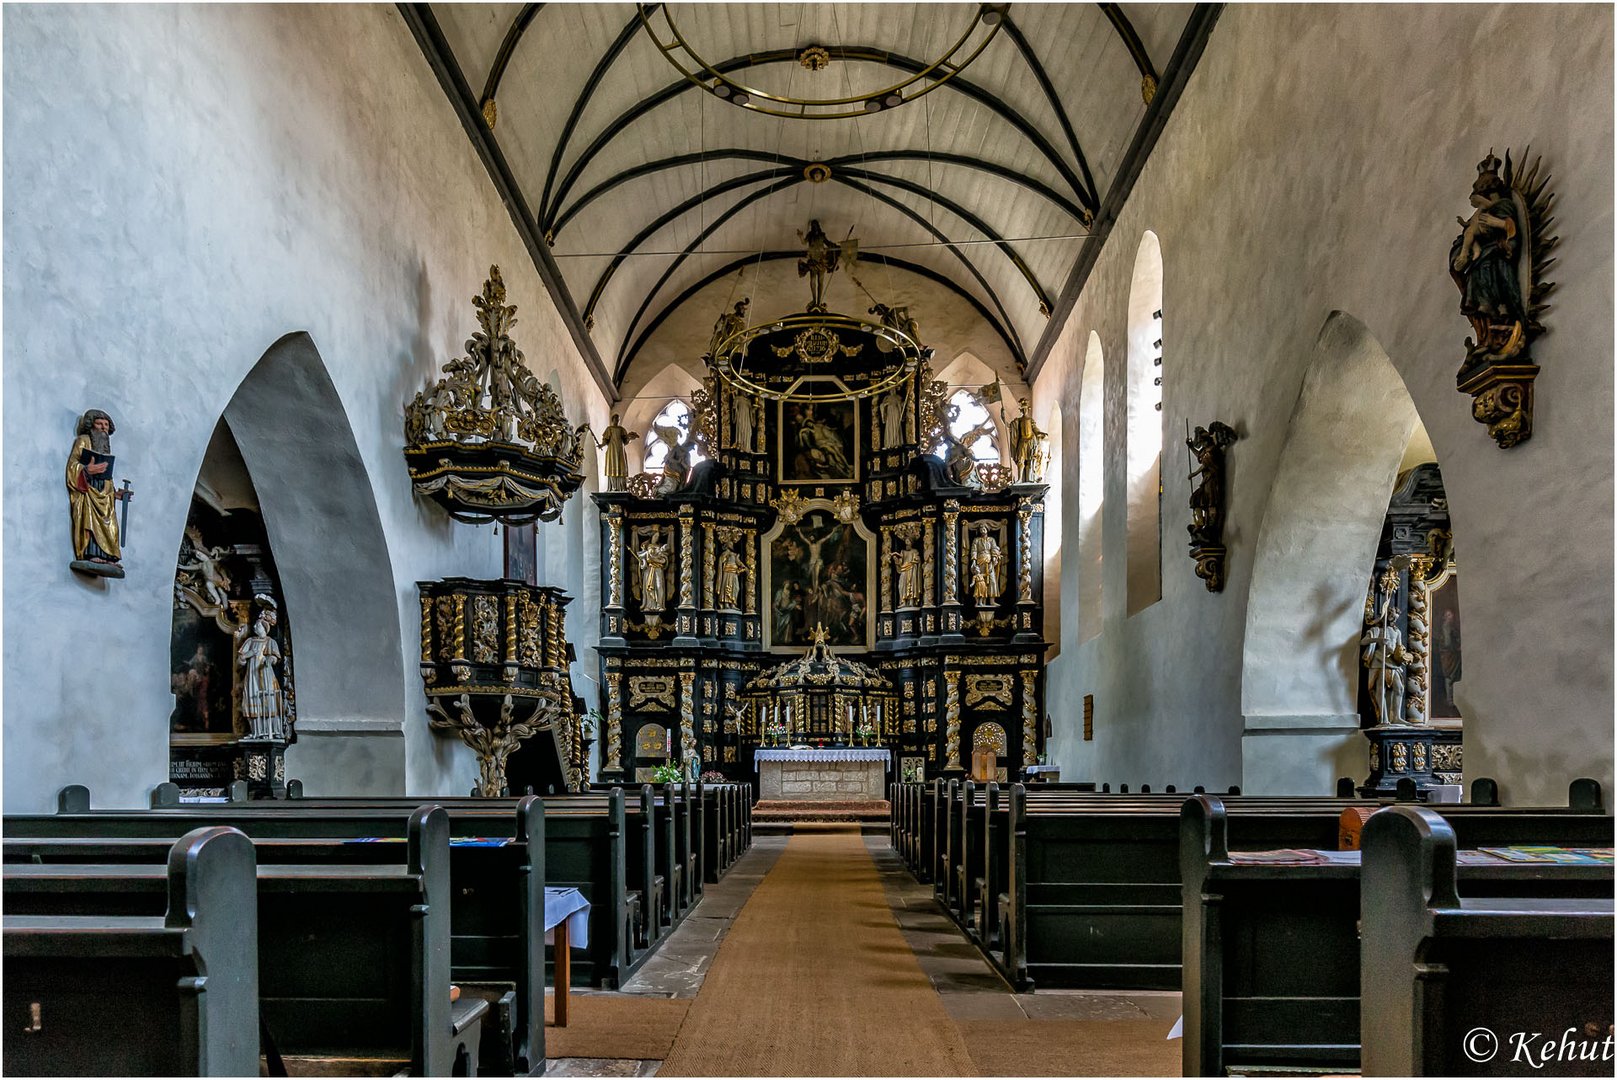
(1436, 966)
(353, 958)
(91, 995)
(1271, 947)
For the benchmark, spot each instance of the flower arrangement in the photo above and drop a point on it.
(670, 773)
(713, 776)
(590, 723)
(864, 733)
(775, 732)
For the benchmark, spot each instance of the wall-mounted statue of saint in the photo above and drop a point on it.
(92, 499)
(614, 440)
(263, 704)
(892, 409)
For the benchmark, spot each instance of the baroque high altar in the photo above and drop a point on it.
(819, 522)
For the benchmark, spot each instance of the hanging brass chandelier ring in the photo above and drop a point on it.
(732, 351)
(983, 28)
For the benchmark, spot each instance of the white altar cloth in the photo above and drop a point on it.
(852, 753)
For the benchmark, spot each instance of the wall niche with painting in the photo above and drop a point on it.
(224, 581)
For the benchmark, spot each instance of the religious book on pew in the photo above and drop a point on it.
(1292, 857)
(1542, 854)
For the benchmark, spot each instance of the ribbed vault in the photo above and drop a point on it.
(648, 193)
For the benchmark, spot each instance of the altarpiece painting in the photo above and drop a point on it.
(819, 574)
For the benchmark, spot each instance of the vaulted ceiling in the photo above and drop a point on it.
(651, 201)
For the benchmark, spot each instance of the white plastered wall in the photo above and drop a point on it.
(184, 186)
(1316, 164)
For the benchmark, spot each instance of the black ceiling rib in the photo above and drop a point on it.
(619, 43)
(1192, 42)
(1051, 96)
(790, 181)
(681, 210)
(775, 256)
(435, 47)
(1131, 41)
(1003, 172)
(519, 26)
(964, 215)
(1007, 329)
(863, 54)
(662, 165)
(793, 169)
(937, 234)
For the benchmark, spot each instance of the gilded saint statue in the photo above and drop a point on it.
(820, 260)
(263, 704)
(614, 441)
(92, 499)
(987, 567)
(731, 570)
(1027, 446)
(908, 564)
(730, 323)
(653, 560)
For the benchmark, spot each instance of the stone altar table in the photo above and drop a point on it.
(854, 774)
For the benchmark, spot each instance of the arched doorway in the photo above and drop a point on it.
(289, 436)
(1301, 665)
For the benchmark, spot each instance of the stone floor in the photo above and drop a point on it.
(970, 988)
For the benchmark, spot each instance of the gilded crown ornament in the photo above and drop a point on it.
(489, 441)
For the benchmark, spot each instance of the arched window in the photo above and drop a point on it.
(1052, 531)
(972, 425)
(678, 415)
(1091, 487)
(1145, 424)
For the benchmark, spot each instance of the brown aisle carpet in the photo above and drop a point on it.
(1072, 1047)
(815, 979)
(613, 1026)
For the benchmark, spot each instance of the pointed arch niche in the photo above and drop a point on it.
(1091, 487)
(1351, 431)
(1144, 471)
(284, 451)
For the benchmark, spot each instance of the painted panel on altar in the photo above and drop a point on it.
(1446, 671)
(819, 572)
(819, 442)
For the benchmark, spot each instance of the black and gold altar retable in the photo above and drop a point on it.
(819, 513)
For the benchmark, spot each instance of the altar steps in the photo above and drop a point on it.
(776, 817)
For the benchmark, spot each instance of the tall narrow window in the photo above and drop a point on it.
(1145, 424)
(1091, 487)
(1052, 532)
(676, 416)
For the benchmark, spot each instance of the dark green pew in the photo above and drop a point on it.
(1271, 947)
(353, 958)
(100, 995)
(1437, 964)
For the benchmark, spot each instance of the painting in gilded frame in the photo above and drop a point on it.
(819, 572)
(819, 442)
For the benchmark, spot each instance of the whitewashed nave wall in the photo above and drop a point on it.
(1315, 166)
(184, 186)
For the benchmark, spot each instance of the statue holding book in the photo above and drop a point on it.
(92, 499)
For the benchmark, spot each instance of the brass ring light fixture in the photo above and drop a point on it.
(984, 27)
(732, 351)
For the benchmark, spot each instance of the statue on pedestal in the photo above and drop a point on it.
(614, 440)
(987, 567)
(908, 563)
(263, 705)
(1027, 446)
